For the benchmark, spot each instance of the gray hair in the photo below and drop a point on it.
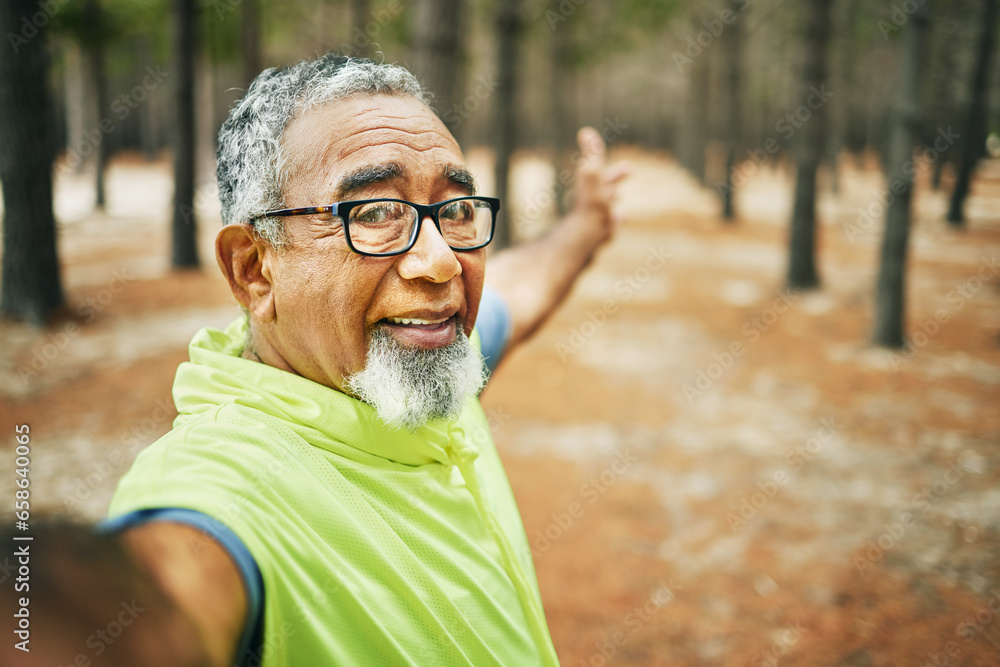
(250, 169)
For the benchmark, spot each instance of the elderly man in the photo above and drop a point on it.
(330, 494)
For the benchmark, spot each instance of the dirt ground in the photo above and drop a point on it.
(711, 471)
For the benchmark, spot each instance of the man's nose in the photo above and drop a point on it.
(430, 257)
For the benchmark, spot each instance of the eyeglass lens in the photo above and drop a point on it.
(386, 226)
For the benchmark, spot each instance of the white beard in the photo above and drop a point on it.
(409, 387)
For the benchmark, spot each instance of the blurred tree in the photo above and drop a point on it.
(733, 43)
(695, 129)
(890, 292)
(974, 133)
(941, 71)
(802, 272)
(32, 286)
(359, 16)
(563, 116)
(844, 47)
(94, 37)
(438, 45)
(508, 25)
(250, 40)
(185, 247)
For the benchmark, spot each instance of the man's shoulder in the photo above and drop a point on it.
(213, 453)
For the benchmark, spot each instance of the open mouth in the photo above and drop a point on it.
(419, 332)
(415, 322)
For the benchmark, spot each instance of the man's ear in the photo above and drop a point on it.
(243, 258)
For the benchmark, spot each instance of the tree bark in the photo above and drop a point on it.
(97, 74)
(32, 286)
(508, 24)
(890, 292)
(802, 272)
(438, 55)
(185, 236)
(733, 112)
(975, 125)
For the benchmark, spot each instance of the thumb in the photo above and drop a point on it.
(592, 148)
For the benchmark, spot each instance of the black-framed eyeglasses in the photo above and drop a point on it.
(384, 227)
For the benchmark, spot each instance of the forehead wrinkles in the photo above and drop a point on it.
(329, 140)
(383, 137)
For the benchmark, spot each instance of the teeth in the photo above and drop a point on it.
(413, 320)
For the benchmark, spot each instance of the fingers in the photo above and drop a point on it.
(617, 172)
(597, 183)
(592, 147)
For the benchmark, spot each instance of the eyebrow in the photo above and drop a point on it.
(361, 178)
(461, 177)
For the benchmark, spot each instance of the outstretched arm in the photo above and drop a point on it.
(160, 595)
(535, 277)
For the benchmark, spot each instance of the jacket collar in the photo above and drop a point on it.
(324, 417)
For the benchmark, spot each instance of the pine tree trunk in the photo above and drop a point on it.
(97, 76)
(438, 55)
(185, 247)
(151, 113)
(563, 120)
(250, 40)
(733, 113)
(508, 24)
(890, 293)
(975, 125)
(73, 87)
(694, 136)
(802, 272)
(359, 17)
(843, 80)
(32, 286)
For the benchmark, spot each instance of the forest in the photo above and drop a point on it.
(792, 343)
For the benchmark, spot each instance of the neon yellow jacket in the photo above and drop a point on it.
(376, 546)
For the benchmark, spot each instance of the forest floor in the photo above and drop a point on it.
(711, 471)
